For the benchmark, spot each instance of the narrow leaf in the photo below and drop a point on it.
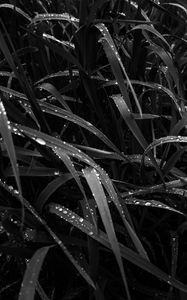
(30, 279)
(94, 183)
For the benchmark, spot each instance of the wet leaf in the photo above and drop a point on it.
(94, 183)
(31, 275)
(5, 131)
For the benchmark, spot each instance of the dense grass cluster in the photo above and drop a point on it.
(93, 122)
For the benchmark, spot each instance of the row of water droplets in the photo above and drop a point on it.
(73, 218)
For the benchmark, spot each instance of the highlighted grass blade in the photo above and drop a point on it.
(16, 9)
(151, 203)
(102, 238)
(29, 283)
(115, 62)
(131, 123)
(5, 131)
(129, 119)
(107, 183)
(31, 209)
(58, 17)
(68, 115)
(94, 183)
(53, 91)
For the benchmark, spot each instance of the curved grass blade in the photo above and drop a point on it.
(92, 178)
(53, 91)
(62, 43)
(23, 80)
(107, 183)
(128, 118)
(115, 61)
(58, 17)
(59, 50)
(151, 203)
(70, 166)
(167, 59)
(16, 9)
(31, 275)
(102, 238)
(101, 154)
(5, 130)
(53, 142)
(58, 74)
(50, 189)
(154, 86)
(131, 123)
(170, 163)
(151, 29)
(68, 115)
(179, 6)
(58, 241)
(164, 140)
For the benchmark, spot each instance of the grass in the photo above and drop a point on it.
(93, 149)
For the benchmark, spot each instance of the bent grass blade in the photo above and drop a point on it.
(107, 183)
(86, 227)
(31, 209)
(92, 178)
(5, 130)
(29, 283)
(115, 60)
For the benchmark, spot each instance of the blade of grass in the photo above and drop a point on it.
(9, 144)
(101, 237)
(53, 91)
(58, 241)
(94, 183)
(16, 9)
(31, 275)
(150, 203)
(20, 75)
(56, 17)
(54, 110)
(115, 62)
(107, 183)
(50, 189)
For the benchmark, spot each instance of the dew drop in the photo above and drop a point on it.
(81, 220)
(40, 141)
(147, 203)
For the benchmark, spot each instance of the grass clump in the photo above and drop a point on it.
(93, 149)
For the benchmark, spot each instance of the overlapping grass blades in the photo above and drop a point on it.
(116, 63)
(125, 252)
(139, 50)
(95, 185)
(31, 209)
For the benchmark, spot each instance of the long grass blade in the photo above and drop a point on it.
(58, 241)
(30, 279)
(9, 144)
(101, 237)
(16, 9)
(115, 61)
(94, 183)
